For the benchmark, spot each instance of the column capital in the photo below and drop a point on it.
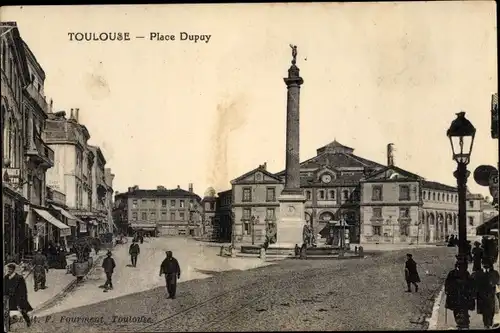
(293, 81)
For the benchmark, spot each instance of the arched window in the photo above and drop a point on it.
(424, 194)
(308, 195)
(439, 196)
(434, 196)
(448, 197)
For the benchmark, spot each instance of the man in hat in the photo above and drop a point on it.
(411, 273)
(15, 288)
(40, 268)
(170, 267)
(486, 281)
(477, 256)
(459, 290)
(109, 265)
(134, 251)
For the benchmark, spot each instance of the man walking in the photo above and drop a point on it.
(486, 282)
(15, 288)
(459, 290)
(134, 251)
(40, 268)
(477, 256)
(411, 273)
(109, 265)
(170, 267)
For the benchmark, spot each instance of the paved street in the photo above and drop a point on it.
(362, 294)
(194, 259)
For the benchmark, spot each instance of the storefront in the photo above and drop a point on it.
(15, 230)
(71, 221)
(144, 227)
(49, 229)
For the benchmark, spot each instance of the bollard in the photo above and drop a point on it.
(222, 251)
(360, 251)
(355, 250)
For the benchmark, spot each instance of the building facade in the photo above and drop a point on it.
(349, 195)
(109, 178)
(169, 211)
(15, 201)
(398, 206)
(99, 191)
(73, 166)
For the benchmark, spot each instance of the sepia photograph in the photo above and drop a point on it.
(250, 167)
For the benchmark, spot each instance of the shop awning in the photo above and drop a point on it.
(71, 218)
(145, 226)
(51, 219)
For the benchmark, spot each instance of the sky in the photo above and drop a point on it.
(177, 112)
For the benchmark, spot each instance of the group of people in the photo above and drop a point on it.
(477, 291)
(169, 266)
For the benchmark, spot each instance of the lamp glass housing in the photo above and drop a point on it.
(461, 134)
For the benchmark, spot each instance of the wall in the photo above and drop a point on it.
(258, 206)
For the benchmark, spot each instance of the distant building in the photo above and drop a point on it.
(223, 217)
(170, 211)
(398, 206)
(208, 228)
(346, 193)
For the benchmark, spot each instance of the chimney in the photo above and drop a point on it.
(130, 189)
(71, 115)
(77, 112)
(264, 166)
(178, 187)
(191, 187)
(51, 105)
(390, 154)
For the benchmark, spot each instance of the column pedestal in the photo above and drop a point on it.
(291, 223)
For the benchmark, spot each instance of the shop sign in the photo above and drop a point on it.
(83, 227)
(65, 232)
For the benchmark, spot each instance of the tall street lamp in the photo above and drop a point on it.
(461, 134)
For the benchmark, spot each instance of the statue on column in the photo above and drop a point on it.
(294, 53)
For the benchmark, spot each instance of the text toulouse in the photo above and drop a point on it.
(125, 36)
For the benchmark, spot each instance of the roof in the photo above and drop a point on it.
(38, 67)
(12, 27)
(173, 193)
(98, 150)
(225, 192)
(259, 168)
(437, 186)
(398, 170)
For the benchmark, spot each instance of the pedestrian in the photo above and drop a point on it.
(451, 241)
(459, 290)
(477, 256)
(109, 265)
(141, 238)
(134, 251)
(486, 281)
(469, 251)
(40, 268)
(15, 288)
(411, 273)
(170, 267)
(297, 250)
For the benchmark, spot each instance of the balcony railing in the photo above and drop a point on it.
(39, 98)
(42, 152)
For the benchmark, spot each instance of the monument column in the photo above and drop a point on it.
(292, 209)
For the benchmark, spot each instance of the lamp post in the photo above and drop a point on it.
(461, 134)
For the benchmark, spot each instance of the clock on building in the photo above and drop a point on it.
(326, 178)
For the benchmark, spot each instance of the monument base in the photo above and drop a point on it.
(290, 226)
